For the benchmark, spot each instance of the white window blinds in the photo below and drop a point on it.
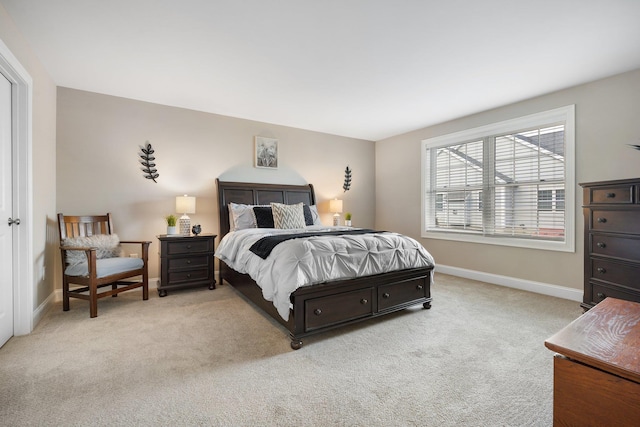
(507, 183)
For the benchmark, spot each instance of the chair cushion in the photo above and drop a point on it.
(106, 266)
(107, 245)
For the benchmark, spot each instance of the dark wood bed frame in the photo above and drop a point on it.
(324, 306)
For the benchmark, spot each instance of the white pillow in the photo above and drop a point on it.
(241, 217)
(315, 215)
(107, 245)
(288, 216)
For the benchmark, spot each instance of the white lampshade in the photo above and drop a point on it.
(335, 206)
(185, 204)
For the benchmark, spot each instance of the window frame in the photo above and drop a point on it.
(564, 115)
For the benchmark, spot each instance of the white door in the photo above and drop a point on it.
(6, 241)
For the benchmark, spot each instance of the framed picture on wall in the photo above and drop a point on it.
(266, 153)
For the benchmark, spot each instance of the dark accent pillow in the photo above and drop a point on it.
(308, 217)
(264, 216)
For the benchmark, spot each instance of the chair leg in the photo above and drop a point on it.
(145, 287)
(93, 300)
(65, 294)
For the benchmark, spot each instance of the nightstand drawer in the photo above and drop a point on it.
(180, 247)
(189, 262)
(188, 276)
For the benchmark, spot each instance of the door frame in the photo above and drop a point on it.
(22, 183)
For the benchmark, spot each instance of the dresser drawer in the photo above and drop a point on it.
(180, 247)
(189, 262)
(615, 246)
(401, 293)
(616, 272)
(616, 221)
(195, 275)
(601, 291)
(339, 308)
(622, 194)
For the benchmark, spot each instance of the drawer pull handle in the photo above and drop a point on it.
(188, 275)
(188, 261)
(188, 246)
(602, 220)
(601, 245)
(601, 295)
(385, 295)
(601, 270)
(611, 195)
(364, 301)
(317, 312)
(419, 287)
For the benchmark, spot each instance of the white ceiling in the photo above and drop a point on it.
(367, 69)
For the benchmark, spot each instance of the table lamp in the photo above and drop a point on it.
(185, 205)
(335, 206)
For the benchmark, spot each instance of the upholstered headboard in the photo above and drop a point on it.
(250, 193)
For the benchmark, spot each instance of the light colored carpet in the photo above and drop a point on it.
(209, 358)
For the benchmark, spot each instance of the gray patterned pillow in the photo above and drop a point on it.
(288, 216)
(107, 245)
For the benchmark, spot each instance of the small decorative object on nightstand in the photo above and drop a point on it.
(196, 229)
(347, 219)
(171, 224)
(186, 262)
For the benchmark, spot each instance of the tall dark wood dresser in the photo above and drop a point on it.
(611, 241)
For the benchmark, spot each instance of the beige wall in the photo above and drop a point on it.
(607, 119)
(43, 170)
(99, 138)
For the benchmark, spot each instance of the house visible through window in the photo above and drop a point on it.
(504, 183)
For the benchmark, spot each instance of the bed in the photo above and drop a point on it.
(322, 306)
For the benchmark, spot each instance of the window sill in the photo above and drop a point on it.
(566, 246)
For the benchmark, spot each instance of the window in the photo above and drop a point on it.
(503, 183)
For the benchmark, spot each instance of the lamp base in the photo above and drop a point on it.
(336, 219)
(185, 225)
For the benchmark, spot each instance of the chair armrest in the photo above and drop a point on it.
(90, 253)
(145, 247)
(78, 248)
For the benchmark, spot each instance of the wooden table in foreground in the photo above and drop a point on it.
(597, 367)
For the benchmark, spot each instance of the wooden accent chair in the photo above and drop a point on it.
(98, 267)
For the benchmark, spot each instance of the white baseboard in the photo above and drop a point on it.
(512, 282)
(43, 308)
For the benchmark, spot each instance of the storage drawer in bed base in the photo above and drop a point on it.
(326, 306)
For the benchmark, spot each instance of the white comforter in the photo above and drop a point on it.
(300, 262)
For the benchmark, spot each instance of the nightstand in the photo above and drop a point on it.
(186, 262)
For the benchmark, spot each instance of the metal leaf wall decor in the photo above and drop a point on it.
(347, 179)
(146, 159)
